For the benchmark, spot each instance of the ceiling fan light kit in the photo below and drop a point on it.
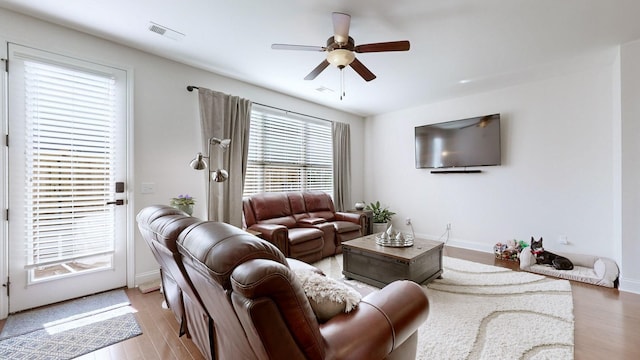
(341, 50)
(340, 57)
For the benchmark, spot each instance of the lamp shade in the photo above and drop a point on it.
(198, 162)
(220, 175)
(222, 143)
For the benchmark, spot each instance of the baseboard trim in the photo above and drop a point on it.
(146, 277)
(463, 244)
(629, 285)
(469, 245)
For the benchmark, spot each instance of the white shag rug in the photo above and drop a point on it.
(479, 311)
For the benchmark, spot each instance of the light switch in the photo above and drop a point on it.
(147, 188)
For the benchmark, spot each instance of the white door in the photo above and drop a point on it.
(67, 152)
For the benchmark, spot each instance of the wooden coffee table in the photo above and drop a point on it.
(377, 265)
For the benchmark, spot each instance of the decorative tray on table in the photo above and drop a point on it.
(391, 238)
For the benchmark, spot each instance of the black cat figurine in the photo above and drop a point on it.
(549, 258)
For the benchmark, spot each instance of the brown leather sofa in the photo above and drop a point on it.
(160, 226)
(303, 225)
(258, 309)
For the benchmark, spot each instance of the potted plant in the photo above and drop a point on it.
(184, 203)
(381, 216)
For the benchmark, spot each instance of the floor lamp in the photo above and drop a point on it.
(217, 175)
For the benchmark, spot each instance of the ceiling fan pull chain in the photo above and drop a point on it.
(342, 92)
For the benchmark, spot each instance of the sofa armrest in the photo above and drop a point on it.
(382, 322)
(306, 222)
(276, 234)
(327, 228)
(351, 217)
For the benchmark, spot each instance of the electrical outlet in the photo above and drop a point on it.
(407, 221)
(562, 239)
(448, 226)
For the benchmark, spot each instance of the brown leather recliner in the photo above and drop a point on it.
(260, 310)
(303, 225)
(160, 226)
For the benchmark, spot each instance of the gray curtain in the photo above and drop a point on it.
(341, 166)
(226, 117)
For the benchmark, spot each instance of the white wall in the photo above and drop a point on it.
(166, 123)
(630, 108)
(557, 173)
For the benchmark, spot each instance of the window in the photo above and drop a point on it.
(288, 153)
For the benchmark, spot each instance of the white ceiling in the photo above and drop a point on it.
(457, 46)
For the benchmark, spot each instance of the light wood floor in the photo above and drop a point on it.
(607, 323)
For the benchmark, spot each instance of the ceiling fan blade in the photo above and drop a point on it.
(383, 46)
(315, 72)
(297, 47)
(341, 24)
(362, 70)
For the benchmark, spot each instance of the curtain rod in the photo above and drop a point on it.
(190, 88)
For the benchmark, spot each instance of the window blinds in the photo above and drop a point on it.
(288, 153)
(70, 116)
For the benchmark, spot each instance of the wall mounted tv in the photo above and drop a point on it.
(460, 143)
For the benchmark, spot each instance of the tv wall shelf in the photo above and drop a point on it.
(455, 171)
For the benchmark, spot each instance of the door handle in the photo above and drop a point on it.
(117, 202)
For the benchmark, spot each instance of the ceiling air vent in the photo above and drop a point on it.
(165, 31)
(324, 89)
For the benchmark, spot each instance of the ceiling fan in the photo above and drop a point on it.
(341, 48)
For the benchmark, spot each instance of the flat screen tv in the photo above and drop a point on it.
(460, 143)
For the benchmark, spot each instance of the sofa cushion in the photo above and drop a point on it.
(303, 234)
(319, 204)
(296, 202)
(328, 297)
(270, 206)
(318, 201)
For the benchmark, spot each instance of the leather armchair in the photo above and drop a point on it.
(260, 310)
(160, 226)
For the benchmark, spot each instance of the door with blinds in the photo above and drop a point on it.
(67, 167)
